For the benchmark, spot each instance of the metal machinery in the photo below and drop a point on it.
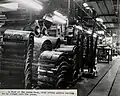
(38, 25)
(57, 68)
(53, 70)
(30, 62)
(19, 53)
(114, 52)
(104, 54)
(87, 49)
(63, 65)
(90, 55)
(27, 61)
(56, 41)
(22, 54)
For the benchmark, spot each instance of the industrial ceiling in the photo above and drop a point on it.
(108, 10)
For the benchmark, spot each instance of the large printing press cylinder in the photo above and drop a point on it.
(14, 48)
(54, 70)
(40, 45)
(72, 53)
(54, 40)
(68, 49)
(19, 53)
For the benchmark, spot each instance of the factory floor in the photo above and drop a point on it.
(107, 83)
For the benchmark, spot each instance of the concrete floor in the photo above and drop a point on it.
(106, 84)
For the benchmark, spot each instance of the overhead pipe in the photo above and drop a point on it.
(106, 15)
(112, 27)
(110, 22)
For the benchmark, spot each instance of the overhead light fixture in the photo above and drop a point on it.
(32, 4)
(99, 20)
(85, 4)
(114, 34)
(100, 32)
(88, 8)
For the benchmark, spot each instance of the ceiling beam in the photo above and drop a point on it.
(112, 27)
(101, 10)
(106, 15)
(96, 0)
(111, 1)
(93, 0)
(110, 22)
(106, 6)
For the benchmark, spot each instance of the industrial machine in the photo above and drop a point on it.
(103, 54)
(63, 65)
(28, 61)
(19, 51)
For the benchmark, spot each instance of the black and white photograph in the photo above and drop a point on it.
(69, 46)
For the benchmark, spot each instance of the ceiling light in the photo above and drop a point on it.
(99, 19)
(85, 4)
(88, 8)
(114, 34)
(100, 32)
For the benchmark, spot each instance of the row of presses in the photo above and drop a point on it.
(27, 61)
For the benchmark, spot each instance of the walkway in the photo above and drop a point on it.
(106, 84)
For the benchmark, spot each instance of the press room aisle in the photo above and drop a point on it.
(106, 84)
(115, 89)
